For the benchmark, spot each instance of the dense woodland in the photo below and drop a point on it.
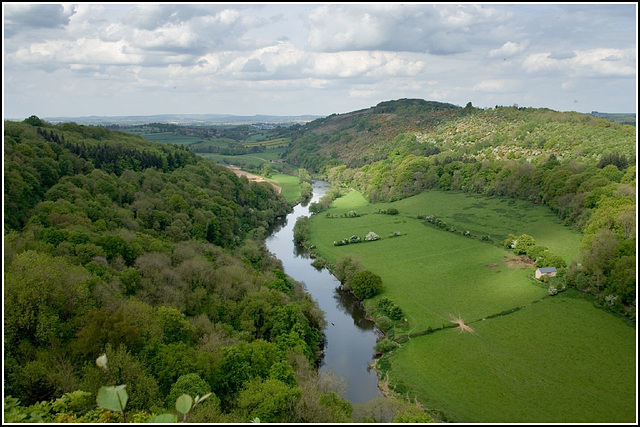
(581, 166)
(155, 257)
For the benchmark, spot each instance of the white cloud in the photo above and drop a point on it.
(594, 62)
(437, 29)
(508, 49)
(81, 51)
(362, 63)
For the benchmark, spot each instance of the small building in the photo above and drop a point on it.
(546, 271)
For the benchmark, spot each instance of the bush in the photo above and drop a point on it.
(385, 345)
(392, 211)
(396, 313)
(371, 236)
(385, 303)
(384, 323)
(366, 284)
(301, 230)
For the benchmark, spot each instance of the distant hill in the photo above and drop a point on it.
(355, 138)
(366, 136)
(181, 119)
(622, 118)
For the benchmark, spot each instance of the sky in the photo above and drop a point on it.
(72, 60)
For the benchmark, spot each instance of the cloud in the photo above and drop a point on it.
(436, 29)
(586, 63)
(82, 51)
(508, 49)
(362, 63)
(254, 66)
(18, 17)
(38, 15)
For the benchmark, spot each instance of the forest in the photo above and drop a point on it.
(150, 260)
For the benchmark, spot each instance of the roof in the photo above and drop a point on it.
(547, 270)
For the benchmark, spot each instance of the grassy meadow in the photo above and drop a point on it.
(254, 160)
(169, 138)
(559, 360)
(290, 185)
(556, 359)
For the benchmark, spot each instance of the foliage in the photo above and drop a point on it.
(301, 230)
(385, 345)
(270, 400)
(139, 252)
(365, 284)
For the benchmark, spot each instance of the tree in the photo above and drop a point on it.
(190, 384)
(365, 284)
(346, 267)
(270, 400)
(524, 242)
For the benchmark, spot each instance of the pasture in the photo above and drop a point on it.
(494, 216)
(555, 359)
(558, 360)
(290, 185)
(169, 138)
(253, 160)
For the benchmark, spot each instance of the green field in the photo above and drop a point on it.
(169, 138)
(290, 185)
(271, 143)
(530, 365)
(430, 273)
(250, 160)
(493, 216)
(559, 360)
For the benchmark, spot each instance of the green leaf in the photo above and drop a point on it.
(163, 418)
(112, 398)
(183, 403)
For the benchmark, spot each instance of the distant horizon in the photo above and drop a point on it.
(113, 116)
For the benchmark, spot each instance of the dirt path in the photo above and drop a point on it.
(253, 177)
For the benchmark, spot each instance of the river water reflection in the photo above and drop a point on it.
(350, 337)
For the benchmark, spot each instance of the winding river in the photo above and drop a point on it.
(350, 337)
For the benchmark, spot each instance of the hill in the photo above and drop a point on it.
(366, 136)
(354, 138)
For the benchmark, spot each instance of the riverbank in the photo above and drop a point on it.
(554, 347)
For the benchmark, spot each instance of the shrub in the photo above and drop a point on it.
(384, 323)
(371, 236)
(385, 345)
(396, 313)
(352, 214)
(301, 230)
(347, 267)
(366, 284)
(392, 211)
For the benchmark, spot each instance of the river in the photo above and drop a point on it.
(350, 337)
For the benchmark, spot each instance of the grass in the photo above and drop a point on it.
(431, 273)
(271, 143)
(559, 360)
(251, 160)
(494, 216)
(170, 138)
(290, 185)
